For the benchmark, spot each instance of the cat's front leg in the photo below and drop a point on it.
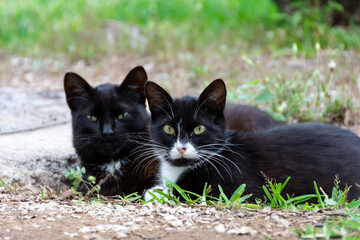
(148, 194)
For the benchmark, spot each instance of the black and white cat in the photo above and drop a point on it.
(110, 126)
(195, 147)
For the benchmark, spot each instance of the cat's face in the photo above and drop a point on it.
(107, 118)
(188, 130)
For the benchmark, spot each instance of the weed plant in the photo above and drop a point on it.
(304, 97)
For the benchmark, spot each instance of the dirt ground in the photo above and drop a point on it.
(24, 215)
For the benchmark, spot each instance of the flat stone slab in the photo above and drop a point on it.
(37, 157)
(35, 137)
(24, 109)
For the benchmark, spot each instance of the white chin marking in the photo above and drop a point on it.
(109, 167)
(190, 152)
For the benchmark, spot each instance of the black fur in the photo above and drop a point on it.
(306, 152)
(109, 139)
(247, 118)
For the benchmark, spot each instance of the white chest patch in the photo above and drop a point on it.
(166, 171)
(171, 172)
(109, 167)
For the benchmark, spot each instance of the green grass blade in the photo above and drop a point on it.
(267, 193)
(318, 195)
(237, 194)
(284, 184)
(222, 194)
(302, 198)
(181, 191)
(354, 204)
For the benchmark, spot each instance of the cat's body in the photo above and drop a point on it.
(197, 148)
(110, 126)
(247, 118)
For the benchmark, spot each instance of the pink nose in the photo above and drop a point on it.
(181, 150)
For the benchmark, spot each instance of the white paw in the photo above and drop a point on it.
(148, 196)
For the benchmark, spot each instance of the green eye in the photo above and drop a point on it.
(169, 130)
(92, 118)
(123, 115)
(199, 129)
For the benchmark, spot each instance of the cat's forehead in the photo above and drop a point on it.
(107, 91)
(186, 111)
(110, 96)
(183, 107)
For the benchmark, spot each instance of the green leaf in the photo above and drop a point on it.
(267, 193)
(252, 206)
(237, 194)
(222, 194)
(245, 97)
(354, 204)
(279, 116)
(264, 97)
(284, 184)
(330, 201)
(318, 195)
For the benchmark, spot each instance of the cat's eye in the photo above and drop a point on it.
(168, 129)
(123, 115)
(92, 118)
(199, 129)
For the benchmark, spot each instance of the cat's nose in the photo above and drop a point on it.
(107, 131)
(181, 150)
(107, 134)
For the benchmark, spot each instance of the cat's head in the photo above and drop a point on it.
(106, 118)
(188, 130)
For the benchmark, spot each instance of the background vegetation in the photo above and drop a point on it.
(193, 31)
(90, 28)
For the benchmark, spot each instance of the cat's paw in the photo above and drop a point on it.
(148, 196)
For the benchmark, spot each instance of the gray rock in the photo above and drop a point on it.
(35, 137)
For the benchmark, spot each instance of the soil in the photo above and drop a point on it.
(26, 216)
(33, 211)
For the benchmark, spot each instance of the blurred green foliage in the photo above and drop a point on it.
(80, 29)
(302, 97)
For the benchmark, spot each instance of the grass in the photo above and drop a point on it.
(301, 97)
(5, 183)
(346, 227)
(88, 28)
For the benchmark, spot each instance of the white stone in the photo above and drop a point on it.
(177, 223)
(220, 228)
(244, 230)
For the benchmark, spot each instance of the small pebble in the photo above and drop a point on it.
(177, 223)
(220, 228)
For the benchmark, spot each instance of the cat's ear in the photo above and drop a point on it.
(214, 96)
(157, 97)
(134, 84)
(76, 89)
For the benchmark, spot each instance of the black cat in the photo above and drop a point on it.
(196, 147)
(110, 126)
